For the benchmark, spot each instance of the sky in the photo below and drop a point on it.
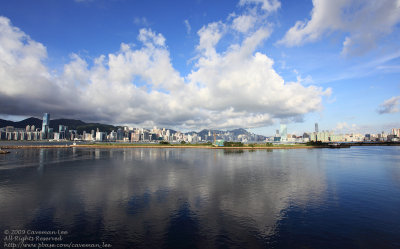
(190, 65)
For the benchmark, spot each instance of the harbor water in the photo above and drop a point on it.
(204, 198)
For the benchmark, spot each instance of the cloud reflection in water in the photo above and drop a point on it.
(159, 197)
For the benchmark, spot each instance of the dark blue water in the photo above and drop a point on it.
(201, 198)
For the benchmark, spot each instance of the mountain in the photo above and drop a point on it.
(204, 132)
(4, 123)
(235, 132)
(88, 127)
(68, 122)
(240, 131)
(72, 124)
(23, 123)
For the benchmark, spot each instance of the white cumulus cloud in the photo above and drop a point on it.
(364, 22)
(232, 87)
(243, 23)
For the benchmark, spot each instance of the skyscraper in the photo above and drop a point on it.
(316, 132)
(46, 124)
(283, 132)
(62, 129)
(396, 132)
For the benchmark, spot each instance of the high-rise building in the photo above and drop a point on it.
(45, 124)
(62, 129)
(101, 136)
(283, 132)
(120, 134)
(316, 127)
(9, 128)
(93, 133)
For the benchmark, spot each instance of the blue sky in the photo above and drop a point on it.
(199, 64)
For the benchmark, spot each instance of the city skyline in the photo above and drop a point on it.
(140, 134)
(165, 135)
(252, 64)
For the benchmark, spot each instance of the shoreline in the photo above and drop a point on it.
(177, 146)
(156, 146)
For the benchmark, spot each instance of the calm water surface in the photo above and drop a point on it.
(201, 198)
